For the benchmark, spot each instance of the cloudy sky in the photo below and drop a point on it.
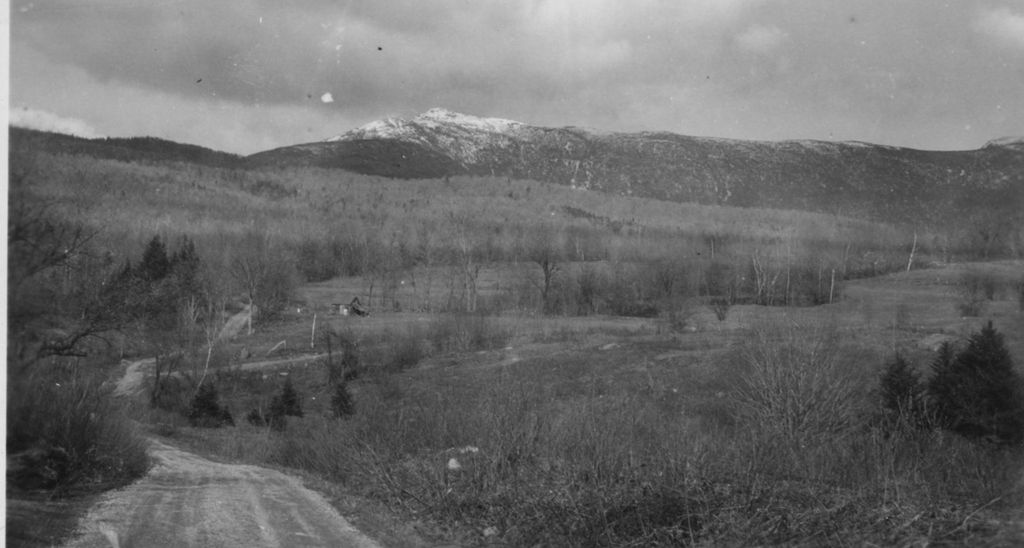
(248, 75)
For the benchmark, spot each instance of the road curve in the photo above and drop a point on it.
(186, 500)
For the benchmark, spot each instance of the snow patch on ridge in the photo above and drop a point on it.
(460, 136)
(444, 116)
(434, 119)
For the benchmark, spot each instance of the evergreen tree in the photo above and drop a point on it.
(901, 391)
(206, 411)
(186, 254)
(123, 293)
(155, 264)
(978, 393)
(276, 414)
(185, 282)
(290, 401)
(943, 387)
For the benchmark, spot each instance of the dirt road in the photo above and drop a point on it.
(186, 500)
(131, 384)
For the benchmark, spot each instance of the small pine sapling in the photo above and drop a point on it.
(291, 403)
(902, 393)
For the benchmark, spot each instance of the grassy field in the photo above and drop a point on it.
(542, 365)
(625, 431)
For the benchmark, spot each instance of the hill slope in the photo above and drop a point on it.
(125, 149)
(861, 179)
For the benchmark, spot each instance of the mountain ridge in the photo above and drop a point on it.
(146, 149)
(864, 180)
(882, 182)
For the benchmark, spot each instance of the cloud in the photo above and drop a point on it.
(1002, 25)
(760, 38)
(264, 52)
(253, 74)
(43, 120)
(115, 109)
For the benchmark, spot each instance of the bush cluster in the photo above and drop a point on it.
(974, 392)
(206, 411)
(286, 404)
(462, 332)
(64, 429)
(342, 404)
(794, 384)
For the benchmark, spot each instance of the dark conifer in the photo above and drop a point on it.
(206, 411)
(901, 391)
(290, 401)
(155, 264)
(978, 393)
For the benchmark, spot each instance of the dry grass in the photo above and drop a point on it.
(619, 446)
(590, 431)
(610, 431)
(66, 433)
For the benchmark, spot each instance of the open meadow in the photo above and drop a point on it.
(605, 430)
(539, 365)
(537, 274)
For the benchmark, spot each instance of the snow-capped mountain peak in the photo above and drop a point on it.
(433, 119)
(445, 116)
(457, 135)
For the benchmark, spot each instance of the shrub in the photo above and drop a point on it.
(64, 429)
(680, 317)
(588, 288)
(463, 332)
(350, 361)
(902, 393)
(795, 385)
(343, 361)
(172, 395)
(287, 403)
(315, 261)
(720, 306)
(977, 393)
(635, 309)
(970, 307)
(408, 350)
(341, 401)
(975, 287)
(814, 284)
(275, 414)
(255, 417)
(722, 279)
(205, 411)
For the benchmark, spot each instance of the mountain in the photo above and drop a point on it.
(125, 149)
(854, 178)
(863, 180)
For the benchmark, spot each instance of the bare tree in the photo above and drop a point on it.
(546, 248)
(38, 242)
(460, 225)
(57, 305)
(248, 269)
(265, 276)
(765, 277)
